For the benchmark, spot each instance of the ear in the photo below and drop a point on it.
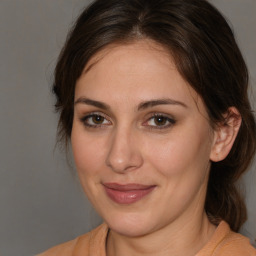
(225, 135)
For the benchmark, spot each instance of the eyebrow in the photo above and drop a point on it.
(152, 103)
(95, 103)
(142, 106)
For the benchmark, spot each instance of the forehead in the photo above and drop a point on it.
(136, 48)
(137, 71)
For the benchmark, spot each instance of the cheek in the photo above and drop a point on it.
(183, 153)
(89, 160)
(182, 163)
(88, 153)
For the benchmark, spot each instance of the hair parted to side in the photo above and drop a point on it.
(206, 54)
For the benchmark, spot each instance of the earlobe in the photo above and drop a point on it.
(225, 135)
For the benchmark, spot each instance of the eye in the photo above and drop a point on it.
(95, 120)
(159, 121)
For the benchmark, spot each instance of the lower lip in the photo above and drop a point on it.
(127, 197)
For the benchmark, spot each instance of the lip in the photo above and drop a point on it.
(127, 193)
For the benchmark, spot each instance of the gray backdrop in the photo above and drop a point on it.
(41, 203)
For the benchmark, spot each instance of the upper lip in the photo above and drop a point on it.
(127, 187)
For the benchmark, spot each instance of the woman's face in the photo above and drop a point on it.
(141, 140)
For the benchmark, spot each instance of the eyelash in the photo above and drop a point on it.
(85, 121)
(171, 121)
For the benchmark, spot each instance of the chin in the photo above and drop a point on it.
(130, 225)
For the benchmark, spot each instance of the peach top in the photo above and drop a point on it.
(224, 242)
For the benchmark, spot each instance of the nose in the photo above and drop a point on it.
(124, 153)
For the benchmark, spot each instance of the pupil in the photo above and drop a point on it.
(160, 120)
(98, 119)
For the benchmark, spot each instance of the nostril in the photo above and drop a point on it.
(124, 153)
(124, 161)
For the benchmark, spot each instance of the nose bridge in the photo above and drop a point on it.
(124, 153)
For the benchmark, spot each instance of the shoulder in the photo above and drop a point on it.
(225, 242)
(82, 244)
(236, 245)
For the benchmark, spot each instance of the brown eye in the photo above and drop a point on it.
(160, 120)
(96, 119)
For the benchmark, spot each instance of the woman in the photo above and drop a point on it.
(153, 97)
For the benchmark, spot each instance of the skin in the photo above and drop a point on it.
(122, 142)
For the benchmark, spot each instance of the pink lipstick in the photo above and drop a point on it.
(128, 193)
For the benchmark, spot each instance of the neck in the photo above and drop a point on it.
(175, 239)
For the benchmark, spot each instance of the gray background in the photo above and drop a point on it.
(41, 202)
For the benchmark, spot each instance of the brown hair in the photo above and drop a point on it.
(206, 55)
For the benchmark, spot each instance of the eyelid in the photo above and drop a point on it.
(85, 117)
(169, 118)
